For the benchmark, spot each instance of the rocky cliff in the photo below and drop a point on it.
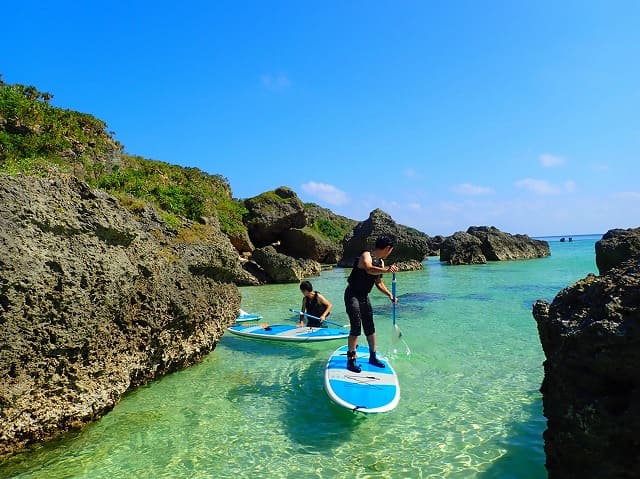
(590, 335)
(95, 300)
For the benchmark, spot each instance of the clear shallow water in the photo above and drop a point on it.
(470, 405)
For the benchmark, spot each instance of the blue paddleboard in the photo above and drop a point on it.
(371, 390)
(286, 332)
(244, 316)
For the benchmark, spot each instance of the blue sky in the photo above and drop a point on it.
(524, 115)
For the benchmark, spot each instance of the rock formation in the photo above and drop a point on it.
(323, 235)
(615, 246)
(486, 243)
(280, 268)
(279, 224)
(590, 335)
(95, 301)
(462, 248)
(305, 243)
(410, 245)
(271, 213)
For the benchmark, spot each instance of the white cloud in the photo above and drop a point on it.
(544, 188)
(411, 173)
(628, 195)
(277, 82)
(328, 193)
(469, 189)
(551, 161)
(570, 186)
(539, 187)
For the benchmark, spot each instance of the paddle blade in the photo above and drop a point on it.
(397, 334)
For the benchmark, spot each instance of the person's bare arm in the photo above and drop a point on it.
(327, 304)
(366, 263)
(303, 308)
(383, 288)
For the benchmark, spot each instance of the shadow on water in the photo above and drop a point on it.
(264, 350)
(524, 446)
(266, 347)
(411, 304)
(476, 297)
(319, 424)
(420, 297)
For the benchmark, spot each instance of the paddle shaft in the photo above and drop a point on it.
(315, 317)
(393, 302)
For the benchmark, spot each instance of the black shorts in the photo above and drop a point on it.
(314, 323)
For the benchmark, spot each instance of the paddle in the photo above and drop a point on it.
(396, 334)
(298, 312)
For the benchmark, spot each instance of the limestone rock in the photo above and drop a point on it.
(281, 268)
(305, 243)
(616, 246)
(271, 213)
(492, 245)
(590, 335)
(241, 241)
(411, 244)
(435, 243)
(94, 302)
(462, 248)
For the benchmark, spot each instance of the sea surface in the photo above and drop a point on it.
(470, 404)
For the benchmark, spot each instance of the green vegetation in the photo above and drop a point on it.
(37, 139)
(268, 201)
(187, 192)
(327, 224)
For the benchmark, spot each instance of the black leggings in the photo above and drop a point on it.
(360, 313)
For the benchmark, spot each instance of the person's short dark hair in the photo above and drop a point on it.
(306, 286)
(383, 241)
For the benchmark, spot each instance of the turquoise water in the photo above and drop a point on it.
(470, 405)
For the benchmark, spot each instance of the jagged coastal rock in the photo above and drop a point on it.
(615, 246)
(288, 238)
(320, 239)
(305, 243)
(411, 248)
(480, 244)
(280, 268)
(590, 335)
(462, 248)
(271, 213)
(94, 302)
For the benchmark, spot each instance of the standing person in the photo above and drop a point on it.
(367, 272)
(315, 304)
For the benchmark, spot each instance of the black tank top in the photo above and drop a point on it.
(361, 282)
(314, 308)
